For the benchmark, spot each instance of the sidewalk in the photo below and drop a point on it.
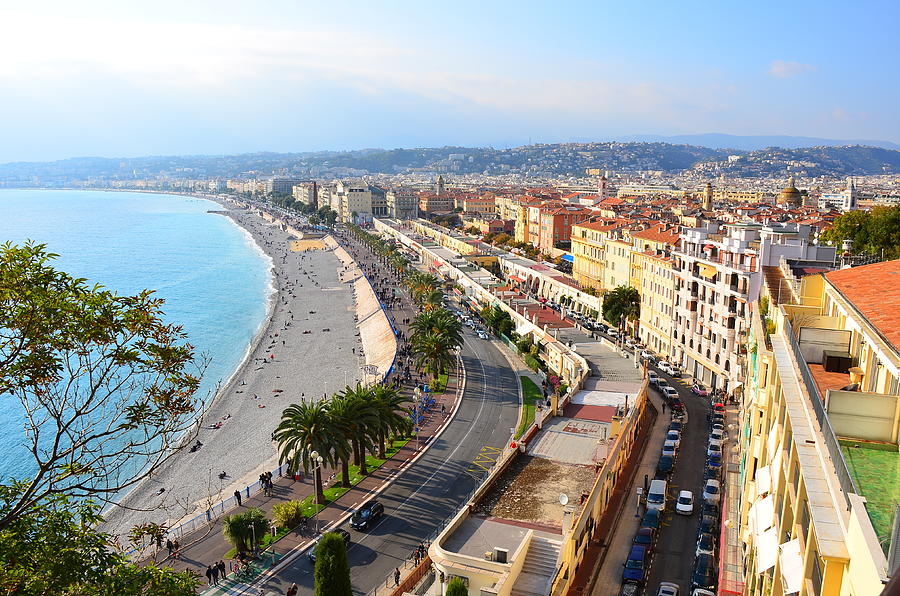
(601, 574)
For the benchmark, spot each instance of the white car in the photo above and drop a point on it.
(648, 355)
(669, 448)
(706, 544)
(664, 366)
(718, 427)
(654, 378)
(667, 589)
(685, 503)
(670, 392)
(482, 335)
(714, 448)
(613, 332)
(717, 435)
(675, 437)
(711, 492)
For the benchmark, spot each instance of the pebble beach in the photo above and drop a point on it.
(309, 347)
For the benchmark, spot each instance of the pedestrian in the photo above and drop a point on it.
(215, 574)
(175, 548)
(222, 569)
(237, 496)
(396, 577)
(209, 574)
(664, 407)
(170, 546)
(292, 591)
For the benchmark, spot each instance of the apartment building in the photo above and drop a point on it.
(402, 203)
(819, 438)
(434, 202)
(718, 274)
(307, 193)
(556, 223)
(355, 202)
(653, 275)
(471, 203)
(617, 265)
(589, 250)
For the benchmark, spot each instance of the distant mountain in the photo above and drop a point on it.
(716, 140)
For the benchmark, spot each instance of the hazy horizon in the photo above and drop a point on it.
(100, 78)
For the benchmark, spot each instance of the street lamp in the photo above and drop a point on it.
(416, 415)
(317, 479)
(637, 511)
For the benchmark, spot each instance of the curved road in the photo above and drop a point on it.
(434, 487)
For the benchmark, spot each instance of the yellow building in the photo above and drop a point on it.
(657, 289)
(819, 439)
(588, 240)
(617, 264)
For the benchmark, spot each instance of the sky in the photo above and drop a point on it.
(129, 78)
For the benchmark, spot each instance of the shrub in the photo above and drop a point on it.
(288, 514)
(456, 587)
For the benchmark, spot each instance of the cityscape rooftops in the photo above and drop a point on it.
(875, 292)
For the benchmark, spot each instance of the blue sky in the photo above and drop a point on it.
(130, 78)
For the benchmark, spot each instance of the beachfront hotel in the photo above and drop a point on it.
(819, 438)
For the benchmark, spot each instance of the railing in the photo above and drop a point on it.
(848, 485)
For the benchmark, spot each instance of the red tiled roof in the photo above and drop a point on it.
(875, 292)
(658, 234)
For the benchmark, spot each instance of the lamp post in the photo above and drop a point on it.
(416, 415)
(317, 479)
(637, 511)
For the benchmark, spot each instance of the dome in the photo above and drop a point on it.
(789, 195)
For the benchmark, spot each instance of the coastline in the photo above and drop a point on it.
(185, 494)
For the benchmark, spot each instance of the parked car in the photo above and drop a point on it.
(671, 393)
(704, 575)
(714, 448)
(667, 589)
(669, 448)
(717, 418)
(685, 503)
(366, 516)
(677, 405)
(706, 544)
(711, 491)
(311, 553)
(674, 435)
(669, 368)
(702, 592)
(645, 537)
(661, 384)
(698, 389)
(635, 565)
(654, 378)
(714, 461)
(482, 335)
(710, 472)
(717, 435)
(708, 524)
(711, 509)
(650, 519)
(664, 466)
(676, 425)
(612, 332)
(648, 356)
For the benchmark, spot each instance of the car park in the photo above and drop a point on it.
(685, 503)
(664, 466)
(650, 519)
(711, 491)
(635, 565)
(704, 574)
(706, 544)
(667, 589)
(311, 553)
(698, 389)
(366, 516)
(714, 448)
(645, 537)
(674, 435)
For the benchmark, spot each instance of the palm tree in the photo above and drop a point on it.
(304, 428)
(354, 414)
(433, 300)
(421, 283)
(621, 305)
(433, 352)
(438, 321)
(241, 529)
(393, 416)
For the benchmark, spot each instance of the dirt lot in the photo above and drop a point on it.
(529, 490)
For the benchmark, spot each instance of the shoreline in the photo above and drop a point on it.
(141, 500)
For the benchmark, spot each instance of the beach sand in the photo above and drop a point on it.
(287, 364)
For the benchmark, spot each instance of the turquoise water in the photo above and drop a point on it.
(214, 279)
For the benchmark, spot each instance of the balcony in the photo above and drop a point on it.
(718, 260)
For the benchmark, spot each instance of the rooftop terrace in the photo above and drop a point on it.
(876, 469)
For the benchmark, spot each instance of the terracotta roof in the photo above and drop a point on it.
(658, 234)
(600, 226)
(875, 292)
(612, 201)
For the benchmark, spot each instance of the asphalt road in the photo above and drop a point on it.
(676, 543)
(435, 487)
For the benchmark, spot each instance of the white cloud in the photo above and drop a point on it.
(784, 69)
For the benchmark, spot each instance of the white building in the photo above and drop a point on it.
(844, 200)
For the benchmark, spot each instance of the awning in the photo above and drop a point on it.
(708, 271)
(516, 279)
(791, 566)
(568, 258)
(765, 515)
(766, 550)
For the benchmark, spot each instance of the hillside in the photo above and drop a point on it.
(810, 161)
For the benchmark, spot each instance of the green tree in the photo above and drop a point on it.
(872, 232)
(356, 417)
(456, 587)
(245, 530)
(288, 514)
(621, 305)
(432, 300)
(332, 571)
(106, 389)
(304, 428)
(393, 416)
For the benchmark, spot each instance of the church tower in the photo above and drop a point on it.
(707, 197)
(440, 185)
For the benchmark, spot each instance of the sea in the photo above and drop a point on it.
(215, 280)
